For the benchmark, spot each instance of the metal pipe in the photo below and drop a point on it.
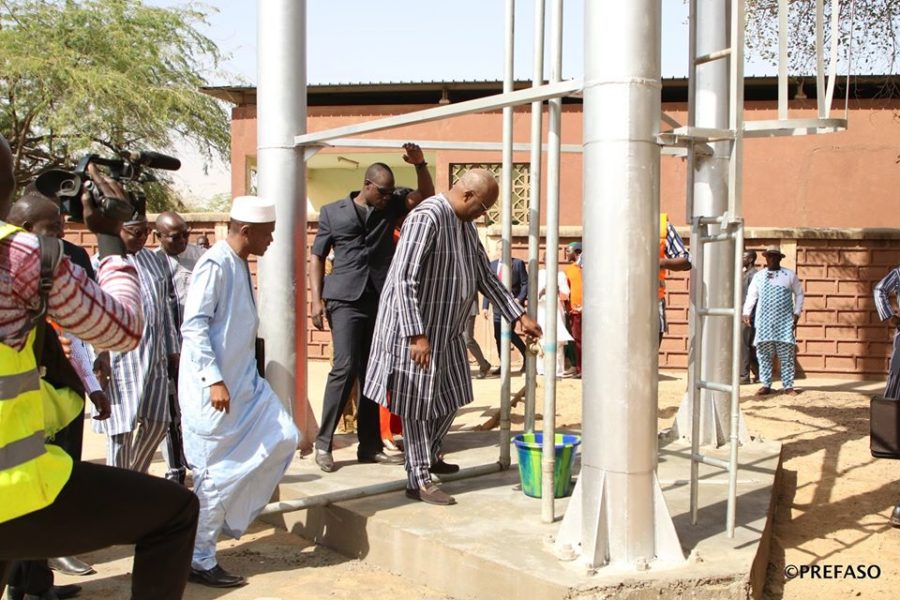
(506, 220)
(711, 200)
(285, 506)
(710, 460)
(735, 375)
(712, 56)
(695, 375)
(736, 110)
(618, 513)
(832, 69)
(820, 57)
(716, 312)
(551, 295)
(534, 205)
(782, 59)
(281, 94)
(479, 105)
(692, 104)
(446, 145)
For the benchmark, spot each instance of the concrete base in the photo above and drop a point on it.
(492, 544)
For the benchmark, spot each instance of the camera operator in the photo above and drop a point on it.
(50, 506)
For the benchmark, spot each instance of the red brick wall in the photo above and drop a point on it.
(839, 333)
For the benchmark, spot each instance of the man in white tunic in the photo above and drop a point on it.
(238, 439)
(418, 366)
(777, 296)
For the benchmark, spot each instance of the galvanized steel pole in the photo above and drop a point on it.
(506, 226)
(281, 101)
(710, 200)
(618, 514)
(534, 204)
(551, 295)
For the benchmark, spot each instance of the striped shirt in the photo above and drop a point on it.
(139, 383)
(675, 247)
(439, 266)
(884, 289)
(107, 314)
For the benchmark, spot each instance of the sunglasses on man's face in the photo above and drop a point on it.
(136, 232)
(181, 235)
(384, 191)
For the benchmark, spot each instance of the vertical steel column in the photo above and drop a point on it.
(618, 513)
(711, 200)
(506, 225)
(820, 57)
(534, 204)
(281, 94)
(782, 59)
(551, 294)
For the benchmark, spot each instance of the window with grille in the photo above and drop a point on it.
(521, 181)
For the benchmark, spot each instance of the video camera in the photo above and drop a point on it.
(67, 186)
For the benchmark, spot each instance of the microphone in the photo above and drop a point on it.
(153, 160)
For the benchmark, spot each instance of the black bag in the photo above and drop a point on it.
(884, 427)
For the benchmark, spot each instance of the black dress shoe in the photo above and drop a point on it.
(57, 592)
(381, 458)
(443, 468)
(325, 461)
(70, 565)
(216, 577)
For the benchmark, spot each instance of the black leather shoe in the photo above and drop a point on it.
(57, 592)
(381, 458)
(216, 577)
(443, 468)
(70, 565)
(325, 461)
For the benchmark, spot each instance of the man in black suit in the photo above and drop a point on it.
(360, 229)
(519, 289)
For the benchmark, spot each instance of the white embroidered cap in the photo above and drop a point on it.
(252, 209)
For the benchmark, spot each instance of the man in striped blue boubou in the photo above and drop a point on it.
(417, 366)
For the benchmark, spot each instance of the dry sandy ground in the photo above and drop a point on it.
(832, 509)
(835, 498)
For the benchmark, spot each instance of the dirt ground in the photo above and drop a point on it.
(834, 500)
(833, 505)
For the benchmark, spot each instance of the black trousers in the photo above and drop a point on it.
(103, 506)
(748, 352)
(516, 340)
(35, 576)
(352, 325)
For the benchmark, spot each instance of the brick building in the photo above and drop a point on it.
(827, 199)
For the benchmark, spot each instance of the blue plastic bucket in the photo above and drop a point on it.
(529, 447)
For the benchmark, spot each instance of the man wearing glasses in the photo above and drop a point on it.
(173, 232)
(138, 386)
(359, 228)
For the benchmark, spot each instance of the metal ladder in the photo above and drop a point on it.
(729, 227)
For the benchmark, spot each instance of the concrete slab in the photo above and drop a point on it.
(492, 544)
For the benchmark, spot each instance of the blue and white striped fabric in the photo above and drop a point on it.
(139, 381)
(884, 289)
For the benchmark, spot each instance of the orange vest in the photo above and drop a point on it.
(663, 230)
(576, 295)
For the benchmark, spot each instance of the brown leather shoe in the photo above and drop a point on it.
(431, 494)
(764, 391)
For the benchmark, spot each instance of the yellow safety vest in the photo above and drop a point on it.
(663, 231)
(32, 473)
